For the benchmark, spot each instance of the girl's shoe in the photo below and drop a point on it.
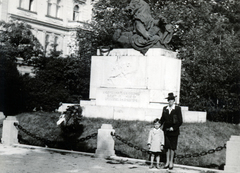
(158, 167)
(151, 166)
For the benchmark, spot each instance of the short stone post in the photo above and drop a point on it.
(233, 155)
(105, 142)
(2, 115)
(9, 131)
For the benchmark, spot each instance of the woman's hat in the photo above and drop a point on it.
(171, 96)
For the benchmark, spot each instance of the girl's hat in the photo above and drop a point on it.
(170, 96)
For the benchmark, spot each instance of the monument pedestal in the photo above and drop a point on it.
(127, 78)
(130, 86)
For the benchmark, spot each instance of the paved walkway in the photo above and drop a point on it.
(31, 159)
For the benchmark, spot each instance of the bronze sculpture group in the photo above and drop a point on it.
(147, 31)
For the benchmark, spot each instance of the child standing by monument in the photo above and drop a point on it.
(156, 142)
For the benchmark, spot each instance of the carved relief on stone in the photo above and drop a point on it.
(121, 72)
(124, 72)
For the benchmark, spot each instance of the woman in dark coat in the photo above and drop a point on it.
(171, 120)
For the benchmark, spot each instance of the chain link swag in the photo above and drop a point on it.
(179, 156)
(46, 141)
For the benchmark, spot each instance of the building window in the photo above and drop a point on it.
(21, 3)
(76, 13)
(58, 9)
(55, 46)
(78, 10)
(54, 8)
(29, 5)
(49, 8)
(47, 42)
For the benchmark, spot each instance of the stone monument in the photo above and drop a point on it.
(128, 85)
(131, 82)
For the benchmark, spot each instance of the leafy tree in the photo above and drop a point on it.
(108, 15)
(16, 40)
(57, 80)
(210, 64)
(12, 90)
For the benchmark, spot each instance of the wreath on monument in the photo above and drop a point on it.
(70, 124)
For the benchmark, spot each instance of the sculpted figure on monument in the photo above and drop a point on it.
(147, 32)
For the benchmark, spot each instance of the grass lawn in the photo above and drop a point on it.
(194, 137)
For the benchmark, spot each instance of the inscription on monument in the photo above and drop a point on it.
(124, 96)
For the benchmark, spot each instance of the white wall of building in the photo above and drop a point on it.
(52, 20)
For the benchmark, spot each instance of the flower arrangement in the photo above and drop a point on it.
(73, 115)
(71, 127)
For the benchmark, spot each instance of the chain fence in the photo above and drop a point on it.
(46, 141)
(178, 156)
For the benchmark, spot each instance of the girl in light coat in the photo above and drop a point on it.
(156, 142)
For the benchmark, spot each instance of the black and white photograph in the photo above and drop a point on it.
(130, 86)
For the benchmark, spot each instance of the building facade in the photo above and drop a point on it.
(53, 21)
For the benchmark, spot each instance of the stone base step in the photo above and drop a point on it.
(141, 114)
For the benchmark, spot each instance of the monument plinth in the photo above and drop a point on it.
(127, 77)
(128, 85)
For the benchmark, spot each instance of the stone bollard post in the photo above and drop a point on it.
(2, 115)
(105, 142)
(9, 131)
(233, 155)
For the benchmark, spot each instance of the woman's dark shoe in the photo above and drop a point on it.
(166, 166)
